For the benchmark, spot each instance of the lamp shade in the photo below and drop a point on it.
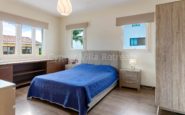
(132, 61)
(64, 7)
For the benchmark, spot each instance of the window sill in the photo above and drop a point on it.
(77, 49)
(136, 50)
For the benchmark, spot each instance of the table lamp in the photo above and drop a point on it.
(132, 63)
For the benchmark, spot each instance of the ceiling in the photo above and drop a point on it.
(78, 5)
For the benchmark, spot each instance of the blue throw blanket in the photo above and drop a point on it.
(74, 88)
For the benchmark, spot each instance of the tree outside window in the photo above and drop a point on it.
(78, 39)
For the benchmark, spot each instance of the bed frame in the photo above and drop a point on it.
(100, 96)
(101, 58)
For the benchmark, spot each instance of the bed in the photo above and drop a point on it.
(81, 87)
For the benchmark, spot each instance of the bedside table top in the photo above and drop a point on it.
(131, 70)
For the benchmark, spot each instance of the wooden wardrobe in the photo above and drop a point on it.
(170, 56)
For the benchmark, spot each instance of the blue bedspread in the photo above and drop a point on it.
(74, 88)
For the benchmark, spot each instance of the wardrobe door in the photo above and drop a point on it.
(170, 56)
(182, 90)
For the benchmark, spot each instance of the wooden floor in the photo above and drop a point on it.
(118, 102)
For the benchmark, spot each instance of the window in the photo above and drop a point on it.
(78, 36)
(39, 41)
(26, 39)
(137, 41)
(9, 38)
(135, 36)
(21, 39)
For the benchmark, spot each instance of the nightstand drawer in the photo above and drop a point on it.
(130, 79)
(130, 74)
(131, 85)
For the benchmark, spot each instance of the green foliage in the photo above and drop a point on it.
(77, 35)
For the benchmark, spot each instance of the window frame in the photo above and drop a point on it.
(32, 38)
(18, 49)
(84, 39)
(148, 38)
(43, 41)
(1, 41)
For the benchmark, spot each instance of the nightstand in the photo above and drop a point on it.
(130, 78)
(69, 66)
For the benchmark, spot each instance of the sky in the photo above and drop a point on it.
(133, 32)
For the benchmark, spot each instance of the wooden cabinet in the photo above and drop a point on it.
(55, 66)
(7, 98)
(130, 78)
(6, 72)
(170, 56)
(22, 73)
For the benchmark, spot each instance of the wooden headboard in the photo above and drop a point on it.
(101, 58)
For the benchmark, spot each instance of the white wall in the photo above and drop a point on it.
(102, 34)
(52, 34)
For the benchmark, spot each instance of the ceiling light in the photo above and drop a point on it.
(64, 7)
